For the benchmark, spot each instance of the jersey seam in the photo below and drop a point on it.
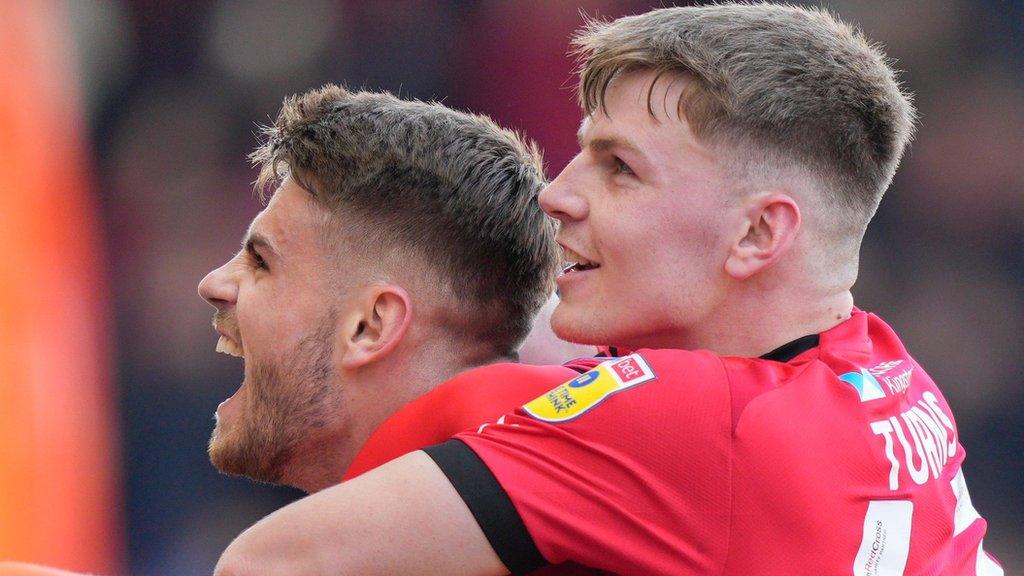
(799, 370)
(816, 351)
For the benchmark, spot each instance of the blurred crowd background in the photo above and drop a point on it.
(173, 92)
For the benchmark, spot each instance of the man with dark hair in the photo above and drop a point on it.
(731, 158)
(403, 245)
(381, 298)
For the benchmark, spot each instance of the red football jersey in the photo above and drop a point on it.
(465, 402)
(834, 454)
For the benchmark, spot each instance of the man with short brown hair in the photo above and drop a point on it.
(381, 297)
(402, 246)
(731, 158)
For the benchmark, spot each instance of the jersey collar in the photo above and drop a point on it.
(791, 350)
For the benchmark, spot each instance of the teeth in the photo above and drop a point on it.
(575, 261)
(226, 346)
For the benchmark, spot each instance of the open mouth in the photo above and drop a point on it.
(228, 346)
(228, 409)
(576, 263)
(578, 267)
(226, 324)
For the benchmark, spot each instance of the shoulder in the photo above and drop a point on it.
(688, 366)
(464, 402)
(633, 391)
(584, 460)
(673, 372)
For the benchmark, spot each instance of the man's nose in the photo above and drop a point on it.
(219, 288)
(561, 199)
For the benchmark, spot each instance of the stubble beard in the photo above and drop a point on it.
(288, 401)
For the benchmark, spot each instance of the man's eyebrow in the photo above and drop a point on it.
(255, 239)
(606, 143)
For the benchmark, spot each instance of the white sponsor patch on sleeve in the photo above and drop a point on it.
(886, 542)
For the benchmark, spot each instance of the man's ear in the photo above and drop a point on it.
(376, 326)
(769, 227)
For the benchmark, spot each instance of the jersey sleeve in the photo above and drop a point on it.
(625, 468)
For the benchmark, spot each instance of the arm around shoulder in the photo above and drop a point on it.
(402, 518)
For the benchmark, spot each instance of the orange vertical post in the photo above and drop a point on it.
(58, 450)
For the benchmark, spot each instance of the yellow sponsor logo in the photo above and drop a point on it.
(589, 389)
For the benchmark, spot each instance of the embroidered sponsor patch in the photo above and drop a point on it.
(589, 389)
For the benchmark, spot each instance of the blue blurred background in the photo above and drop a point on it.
(174, 90)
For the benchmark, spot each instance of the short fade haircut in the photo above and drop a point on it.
(788, 85)
(451, 189)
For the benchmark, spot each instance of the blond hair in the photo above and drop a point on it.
(785, 85)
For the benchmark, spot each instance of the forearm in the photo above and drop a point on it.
(271, 547)
(402, 518)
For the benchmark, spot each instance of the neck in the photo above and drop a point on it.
(757, 325)
(372, 395)
(764, 327)
(793, 298)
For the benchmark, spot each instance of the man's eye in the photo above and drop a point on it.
(257, 261)
(622, 168)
